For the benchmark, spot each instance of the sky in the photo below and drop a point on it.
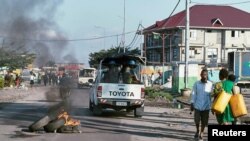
(96, 18)
(88, 19)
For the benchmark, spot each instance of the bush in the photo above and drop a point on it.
(149, 90)
(154, 93)
(161, 94)
(1, 82)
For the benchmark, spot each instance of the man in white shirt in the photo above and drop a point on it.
(201, 102)
(32, 77)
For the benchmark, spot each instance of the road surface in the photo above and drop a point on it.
(157, 124)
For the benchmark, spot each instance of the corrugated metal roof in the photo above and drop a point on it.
(204, 16)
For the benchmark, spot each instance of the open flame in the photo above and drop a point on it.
(68, 120)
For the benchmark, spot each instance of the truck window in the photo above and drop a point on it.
(86, 73)
(111, 74)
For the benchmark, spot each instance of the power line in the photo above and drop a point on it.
(174, 8)
(63, 40)
(135, 37)
(137, 42)
(172, 11)
(226, 4)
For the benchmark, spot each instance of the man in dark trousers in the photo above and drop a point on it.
(201, 103)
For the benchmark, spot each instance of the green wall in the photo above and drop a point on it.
(178, 83)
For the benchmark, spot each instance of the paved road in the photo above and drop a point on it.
(157, 124)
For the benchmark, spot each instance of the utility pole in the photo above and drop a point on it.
(163, 57)
(187, 43)
(124, 22)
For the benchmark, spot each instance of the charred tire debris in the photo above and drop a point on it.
(57, 120)
(54, 125)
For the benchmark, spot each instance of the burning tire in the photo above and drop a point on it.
(54, 112)
(39, 123)
(54, 125)
(69, 129)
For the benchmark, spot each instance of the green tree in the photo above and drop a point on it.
(96, 57)
(14, 60)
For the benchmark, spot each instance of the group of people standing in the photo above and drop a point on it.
(118, 73)
(50, 78)
(201, 100)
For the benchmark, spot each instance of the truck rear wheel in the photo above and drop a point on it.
(138, 112)
(97, 110)
(90, 106)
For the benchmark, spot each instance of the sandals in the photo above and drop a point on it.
(198, 136)
(201, 136)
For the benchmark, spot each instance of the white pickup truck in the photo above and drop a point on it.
(85, 77)
(117, 86)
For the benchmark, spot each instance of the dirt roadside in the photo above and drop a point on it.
(8, 95)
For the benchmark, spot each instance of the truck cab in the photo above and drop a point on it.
(239, 65)
(117, 85)
(86, 77)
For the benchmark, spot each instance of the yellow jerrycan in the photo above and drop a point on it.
(221, 102)
(238, 105)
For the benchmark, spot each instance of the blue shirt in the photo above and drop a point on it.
(201, 95)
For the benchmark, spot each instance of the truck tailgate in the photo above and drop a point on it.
(121, 91)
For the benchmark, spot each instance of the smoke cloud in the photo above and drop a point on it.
(29, 26)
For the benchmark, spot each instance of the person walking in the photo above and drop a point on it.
(45, 79)
(226, 117)
(18, 81)
(152, 78)
(201, 102)
(32, 77)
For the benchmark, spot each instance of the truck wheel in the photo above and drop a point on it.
(39, 123)
(90, 106)
(138, 112)
(54, 125)
(97, 110)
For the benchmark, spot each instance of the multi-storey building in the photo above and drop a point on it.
(214, 31)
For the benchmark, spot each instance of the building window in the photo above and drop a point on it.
(192, 53)
(209, 31)
(175, 54)
(218, 39)
(193, 34)
(153, 56)
(235, 34)
(212, 53)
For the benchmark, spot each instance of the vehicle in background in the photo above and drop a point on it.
(239, 65)
(86, 77)
(25, 75)
(117, 85)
